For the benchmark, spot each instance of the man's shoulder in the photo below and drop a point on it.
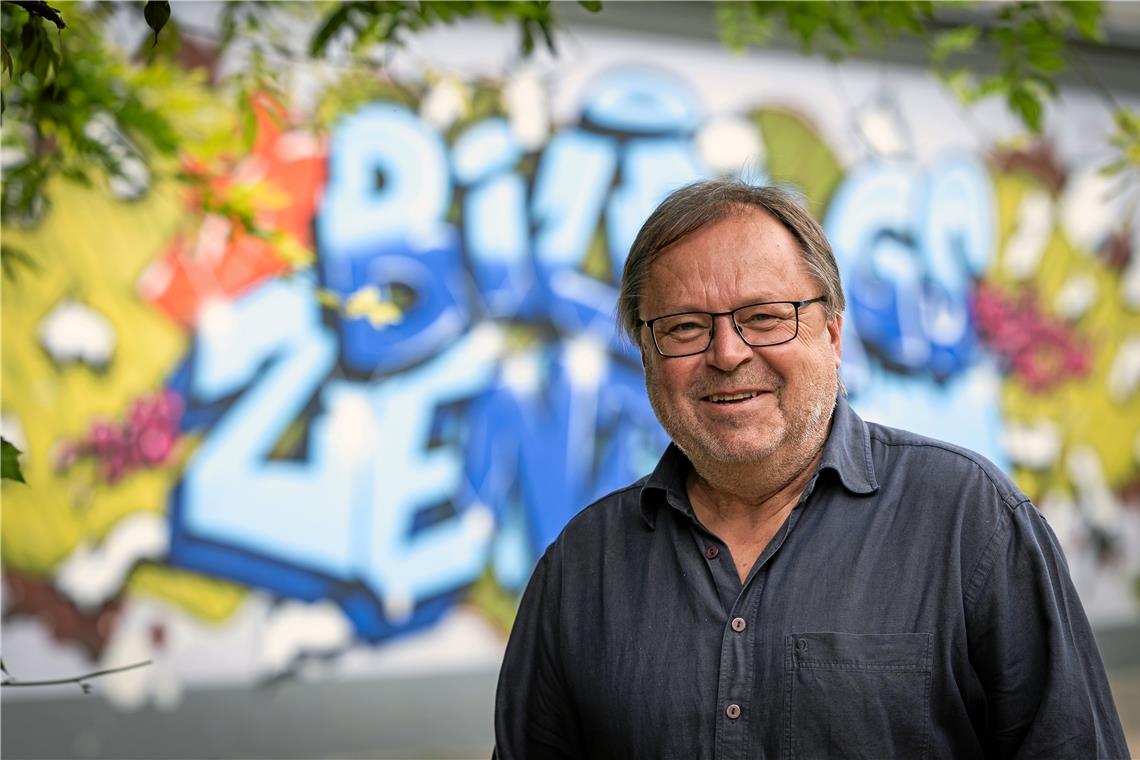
(610, 518)
(618, 505)
(911, 457)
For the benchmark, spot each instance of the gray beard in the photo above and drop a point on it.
(784, 460)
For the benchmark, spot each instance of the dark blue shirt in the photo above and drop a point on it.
(915, 604)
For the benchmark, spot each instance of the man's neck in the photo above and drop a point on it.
(745, 506)
(743, 495)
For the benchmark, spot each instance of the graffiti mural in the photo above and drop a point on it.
(225, 447)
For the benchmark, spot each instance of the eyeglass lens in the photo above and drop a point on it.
(760, 325)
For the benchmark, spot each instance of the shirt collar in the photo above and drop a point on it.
(667, 483)
(847, 451)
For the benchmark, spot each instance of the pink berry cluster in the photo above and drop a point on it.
(144, 440)
(1040, 351)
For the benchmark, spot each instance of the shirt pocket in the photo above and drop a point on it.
(857, 695)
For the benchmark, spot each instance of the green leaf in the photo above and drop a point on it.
(547, 36)
(962, 84)
(743, 24)
(1044, 52)
(1026, 104)
(1114, 168)
(593, 6)
(28, 33)
(1086, 18)
(913, 17)
(40, 65)
(1046, 85)
(805, 22)
(12, 258)
(992, 85)
(1126, 139)
(10, 461)
(328, 30)
(954, 41)
(156, 13)
(248, 125)
(1128, 122)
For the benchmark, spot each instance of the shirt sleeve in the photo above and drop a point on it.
(534, 716)
(1033, 650)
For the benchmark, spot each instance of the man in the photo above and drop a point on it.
(791, 581)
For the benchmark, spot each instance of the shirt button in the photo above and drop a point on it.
(712, 551)
(738, 624)
(732, 711)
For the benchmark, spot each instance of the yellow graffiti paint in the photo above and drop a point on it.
(208, 599)
(1081, 408)
(90, 248)
(795, 153)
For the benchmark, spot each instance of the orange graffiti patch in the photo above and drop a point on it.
(250, 216)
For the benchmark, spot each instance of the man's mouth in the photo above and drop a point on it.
(731, 398)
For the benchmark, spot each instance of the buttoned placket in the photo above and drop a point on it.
(741, 642)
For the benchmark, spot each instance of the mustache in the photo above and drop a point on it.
(703, 386)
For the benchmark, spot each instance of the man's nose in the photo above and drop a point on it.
(728, 350)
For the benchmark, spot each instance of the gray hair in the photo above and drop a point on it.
(702, 203)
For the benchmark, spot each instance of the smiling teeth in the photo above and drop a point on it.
(721, 398)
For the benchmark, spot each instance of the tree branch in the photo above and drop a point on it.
(43, 10)
(77, 679)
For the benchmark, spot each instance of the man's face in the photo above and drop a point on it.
(745, 258)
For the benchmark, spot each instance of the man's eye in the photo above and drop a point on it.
(685, 327)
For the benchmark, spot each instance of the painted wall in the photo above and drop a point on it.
(244, 475)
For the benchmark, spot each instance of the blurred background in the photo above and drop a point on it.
(308, 347)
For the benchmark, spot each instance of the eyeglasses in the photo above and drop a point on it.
(760, 324)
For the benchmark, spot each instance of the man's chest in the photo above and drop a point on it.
(679, 659)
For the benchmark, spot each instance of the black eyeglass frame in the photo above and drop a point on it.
(797, 305)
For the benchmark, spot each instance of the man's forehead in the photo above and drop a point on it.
(742, 240)
(742, 218)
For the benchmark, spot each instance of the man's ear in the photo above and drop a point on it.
(835, 337)
(640, 342)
